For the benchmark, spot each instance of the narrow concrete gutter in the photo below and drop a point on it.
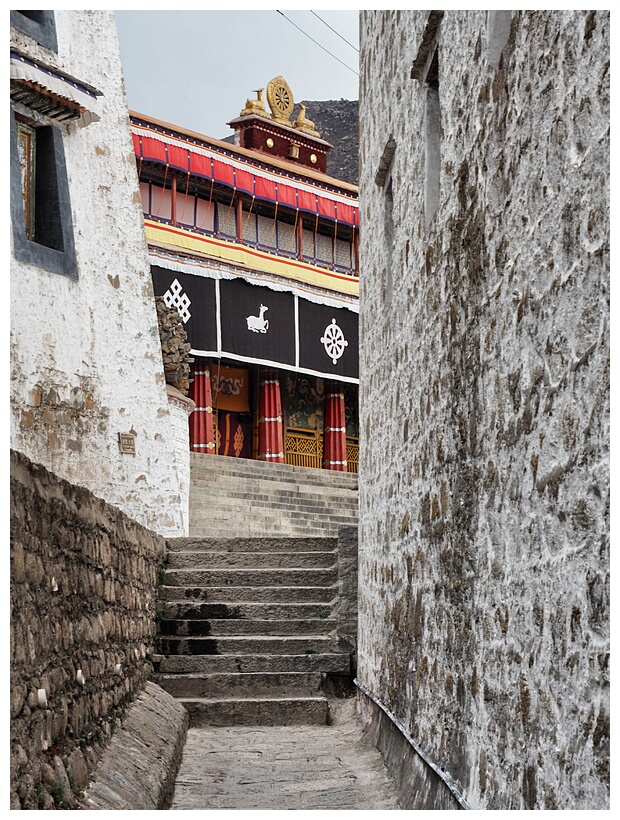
(449, 782)
(139, 767)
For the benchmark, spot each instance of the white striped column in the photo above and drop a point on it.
(201, 433)
(334, 430)
(270, 427)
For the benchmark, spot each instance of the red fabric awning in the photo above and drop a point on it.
(153, 150)
(244, 181)
(287, 195)
(327, 207)
(306, 201)
(265, 189)
(201, 166)
(184, 159)
(178, 158)
(224, 173)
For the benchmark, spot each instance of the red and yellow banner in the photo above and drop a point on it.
(177, 238)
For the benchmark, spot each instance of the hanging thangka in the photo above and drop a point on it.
(230, 389)
(303, 398)
(351, 413)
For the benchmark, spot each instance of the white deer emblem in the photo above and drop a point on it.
(258, 324)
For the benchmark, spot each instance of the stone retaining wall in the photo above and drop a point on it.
(83, 595)
(139, 766)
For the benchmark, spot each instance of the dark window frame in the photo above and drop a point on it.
(55, 221)
(41, 27)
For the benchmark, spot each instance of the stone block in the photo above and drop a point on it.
(77, 769)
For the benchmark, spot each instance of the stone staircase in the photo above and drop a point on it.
(241, 497)
(249, 629)
(258, 607)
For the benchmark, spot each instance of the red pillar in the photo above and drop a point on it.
(201, 434)
(334, 430)
(270, 428)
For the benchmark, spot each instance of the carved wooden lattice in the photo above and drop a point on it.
(353, 450)
(303, 450)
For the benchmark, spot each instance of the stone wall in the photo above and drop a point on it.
(484, 472)
(86, 360)
(84, 583)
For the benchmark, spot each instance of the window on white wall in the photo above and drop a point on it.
(41, 215)
(40, 25)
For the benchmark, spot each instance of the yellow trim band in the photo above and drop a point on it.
(251, 258)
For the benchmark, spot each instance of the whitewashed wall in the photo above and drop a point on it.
(85, 355)
(484, 473)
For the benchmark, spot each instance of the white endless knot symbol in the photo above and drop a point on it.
(174, 297)
(333, 341)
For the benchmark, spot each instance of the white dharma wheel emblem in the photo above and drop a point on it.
(333, 341)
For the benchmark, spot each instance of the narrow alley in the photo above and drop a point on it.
(310, 410)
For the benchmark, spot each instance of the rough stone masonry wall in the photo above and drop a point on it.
(86, 361)
(484, 473)
(83, 595)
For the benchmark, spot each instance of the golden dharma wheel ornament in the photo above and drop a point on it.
(280, 99)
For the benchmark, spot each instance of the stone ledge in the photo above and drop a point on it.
(138, 768)
(418, 787)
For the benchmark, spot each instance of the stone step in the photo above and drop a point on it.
(284, 499)
(263, 544)
(252, 525)
(256, 711)
(206, 465)
(331, 662)
(271, 483)
(258, 528)
(263, 611)
(274, 519)
(259, 576)
(246, 645)
(340, 482)
(230, 498)
(203, 559)
(258, 595)
(237, 627)
(270, 516)
(197, 685)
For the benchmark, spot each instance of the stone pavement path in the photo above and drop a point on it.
(283, 767)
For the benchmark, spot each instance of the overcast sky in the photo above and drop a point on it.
(196, 69)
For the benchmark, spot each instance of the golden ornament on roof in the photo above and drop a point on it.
(256, 106)
(280, 99)
(302, 123)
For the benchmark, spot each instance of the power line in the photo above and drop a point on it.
(335, 32)
(316, 43)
